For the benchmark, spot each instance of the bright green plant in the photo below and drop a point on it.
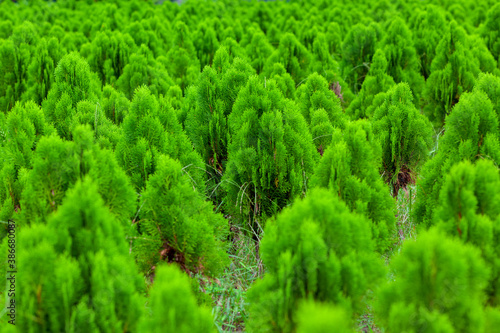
(314, 317)
(358, 49)
(76, 272)
(374, 88)
(453, 72)
(207, 123)
(404, 134)
(438, 286)
(21, 131)
(468, 209)
(73, 83)
(173, 306)
(293, 55)
(177, 225)
(349, 169)
(471, 132)
(144, 69)
(402, 60)
(57, 165)
(490, 31)
(428, 26)
(149, 130)
(315, 250)
(490, 84)
(270, 157)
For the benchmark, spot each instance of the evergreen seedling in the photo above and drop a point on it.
(349, 169)
(405, 136)
(438, 287)
(177, 225)
(76, 272)
(471, 133)
(173, 306)
(270, 157)
(317, 250)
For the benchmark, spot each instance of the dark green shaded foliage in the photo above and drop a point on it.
(207, 124)
(428, 26)
(358, 49)
(114, 104)
(374, 88)
(453, 72)
(471, 133)
(402, 61)
(349, 169)
(293, 55)
(108, 53)
(41, 70)
(405, 136)
(75, 273)
(490, 31)
(144, 69)
(270, 157)
(177, 225)
(181, 60)
(173, 306)
(314, 250)
(15, 58)
(438, 287)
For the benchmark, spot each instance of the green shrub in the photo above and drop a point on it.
(405, 136)
(428, 26)
(150, 129)
(293, 55)
(402, 59)
(20, 131)
(73, 83)
(471, 133)
(438, 287)
(270, 157)
(144, 69)
(317, 250)
(207, 126)
(177, 225)
(490, 31)
(57, 165)
(490, 84)
(374, 88)
(453, 72)
(173, 306)
(349, 169)
(358, 49)
(314, 317)
(75, 273)
(468, 209)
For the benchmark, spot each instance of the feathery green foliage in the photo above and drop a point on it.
(374, 88)
(314, 317)
(75, 272)
(453, 72)
(438, 287)
(490, 31)
(315, 249)
(177, 225)
(270, 157)
(349, 169)
(468, 209)
(471, 133)
(405, 136)
(173, 306)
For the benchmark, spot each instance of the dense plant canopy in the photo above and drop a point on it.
(260, 158)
